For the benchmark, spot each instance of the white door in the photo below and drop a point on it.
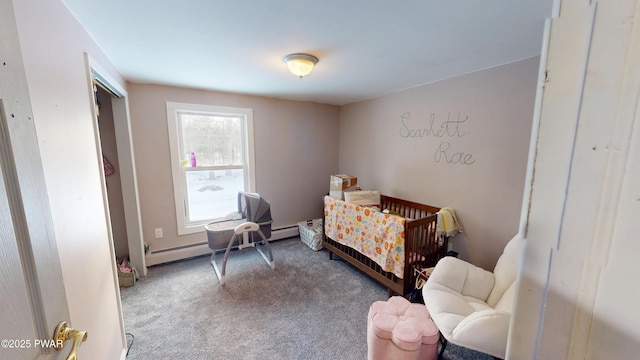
(578, 295)
(31, 286)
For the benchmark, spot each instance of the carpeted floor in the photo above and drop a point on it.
(306, 308)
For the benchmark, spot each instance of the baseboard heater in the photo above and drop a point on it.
(161, 256)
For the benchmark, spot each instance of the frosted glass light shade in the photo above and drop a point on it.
(300, 64)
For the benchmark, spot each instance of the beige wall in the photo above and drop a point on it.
(417, 145)
(296, 150)
(53, 47)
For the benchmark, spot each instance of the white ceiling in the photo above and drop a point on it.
(367, 48)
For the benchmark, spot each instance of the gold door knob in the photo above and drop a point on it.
(63, 333)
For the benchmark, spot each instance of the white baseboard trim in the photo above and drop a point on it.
(187, 251)
(284, 232)
(165, 256)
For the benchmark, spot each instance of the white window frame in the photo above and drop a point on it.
(178, 170)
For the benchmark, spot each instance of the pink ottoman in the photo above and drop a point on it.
(398, 329)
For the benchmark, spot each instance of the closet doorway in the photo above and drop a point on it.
(114, 147)
(111, 167)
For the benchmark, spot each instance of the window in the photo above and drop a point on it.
(211, 161)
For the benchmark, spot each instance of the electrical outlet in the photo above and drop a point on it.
(159, 233)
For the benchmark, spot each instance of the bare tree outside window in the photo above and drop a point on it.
(216, 140)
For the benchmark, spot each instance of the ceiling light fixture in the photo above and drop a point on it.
(300, 64)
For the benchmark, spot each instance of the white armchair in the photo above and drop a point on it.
(471, 306)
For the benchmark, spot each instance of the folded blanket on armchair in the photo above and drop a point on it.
(447, 223)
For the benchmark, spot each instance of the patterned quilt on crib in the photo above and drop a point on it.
(377, 235)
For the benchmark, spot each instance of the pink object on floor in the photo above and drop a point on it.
(398, 329)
